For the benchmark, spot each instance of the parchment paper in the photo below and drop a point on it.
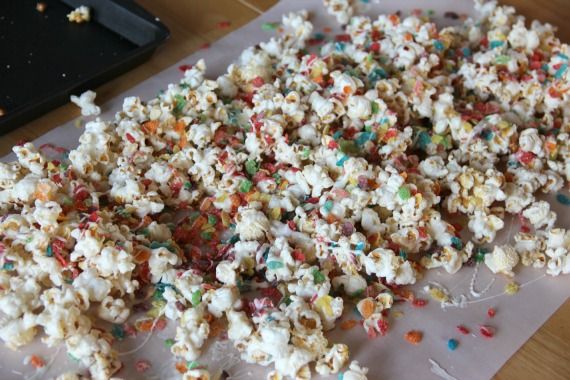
(389, 357)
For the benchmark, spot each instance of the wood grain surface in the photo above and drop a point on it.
(194, 23)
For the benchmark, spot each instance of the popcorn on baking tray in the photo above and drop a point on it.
(301, 181)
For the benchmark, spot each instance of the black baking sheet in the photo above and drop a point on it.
(44, 58)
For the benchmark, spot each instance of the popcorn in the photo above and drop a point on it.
(113, 310)
(86, 100)
(191, 333)
(333, 360)
(341, 9)
(449, 258)
(484, 226)
(502, 260)
(251, 224)
(539, 215)
(79, 15)
(355, 372)
(384, 263)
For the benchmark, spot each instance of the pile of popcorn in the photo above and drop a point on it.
(293, 184)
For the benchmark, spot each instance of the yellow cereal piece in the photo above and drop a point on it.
(512, 288)
(323, 304)
(275, 213)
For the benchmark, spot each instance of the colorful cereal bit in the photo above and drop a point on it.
(511, 288)
(118, 332)
(419, 302)
(348, 324)
(142, 365)
(275, 264)
(560, 71)
(491, 312)
(328, 205)
(487, 331)
(318, 276)
(480, 254)
(438, 45)
(245, 186)
(224, 24)
(414, 337)
(181, 367)
(496, 43)
(452, 344)
(36, 362)
(404, 193)
(463, 330)
(252, 167)
(196, 298)
(324, 304)
(366, 308)
(269, 26)
(563, 199)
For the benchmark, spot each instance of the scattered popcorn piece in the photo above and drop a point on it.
(80, 15)
(86, 102)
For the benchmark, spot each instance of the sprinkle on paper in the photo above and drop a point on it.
(419, 302)
(463, 330)
(142, 365)
(491, 312)
(269, 26)
(452, 344)
(37, 362)
(184, 67)
(563, 199)
(487, 331)
(414, 337)
(224, 24)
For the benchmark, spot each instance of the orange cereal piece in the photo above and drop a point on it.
(144, 325)
(366, 308)
(37, 362)
(348, 324)
(141, 256)
(181, 367)
(150, 126)
(414, 337)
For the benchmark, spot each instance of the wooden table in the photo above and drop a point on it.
(194, 23)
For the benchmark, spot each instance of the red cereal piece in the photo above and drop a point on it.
(160, 324)
(375, 47)
(342, 38)
(491, 312)
(224, 24)
(257, 82)
(487, 331)
(463, 330)
(184, 68)
(142, 365)
(383, 326)
(419, 302)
